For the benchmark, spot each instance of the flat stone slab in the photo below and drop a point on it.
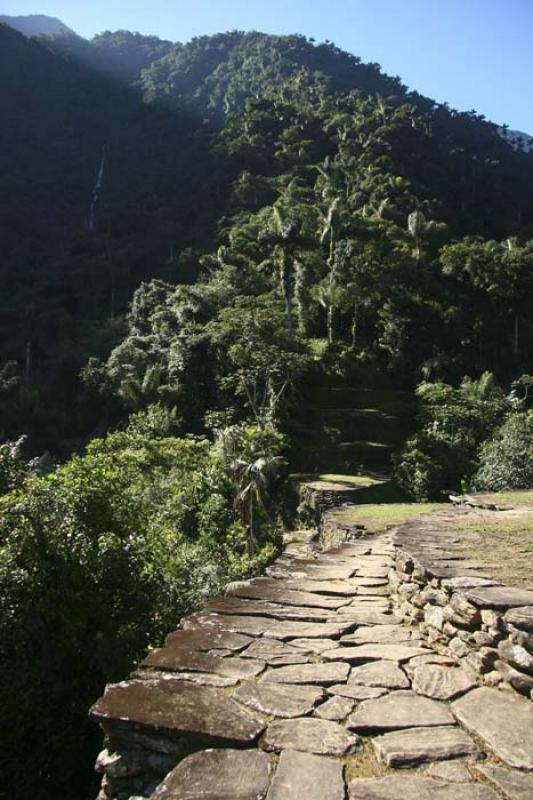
(335, 709)
(373, 591)
(309, 735)
(466, 582)
(514, 785)
(403, 709)
(218, 775)
(180, 659)
(373, 652)
(279, 700)
(305, 776)
(319, 674)
(257, 591)
(252, 626)
(177, 709)
(369, 617)
(370, 581)
(344, 588)
(433, 658)
(203, 641)
(442, 683)
(200, 678)
(385, 674)
(395, 787)
(356, 692)
(501, 597)
(276, 653)
(314, 645)
(378, 634)
(323, 572)
(259, 608)
(414, 746)
(454, 771)
(503, 720)
(372, 572)
(377, 605)
(521, 618)
(307, 630)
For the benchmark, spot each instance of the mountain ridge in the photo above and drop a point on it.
(37, 25)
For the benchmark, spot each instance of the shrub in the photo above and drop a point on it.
(98, 561)
(506, 460)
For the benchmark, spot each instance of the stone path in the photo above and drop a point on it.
(305, 686)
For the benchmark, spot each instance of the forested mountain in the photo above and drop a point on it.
(36, 25)
(111, 182)
(197, 241)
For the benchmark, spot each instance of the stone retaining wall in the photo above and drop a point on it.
(461, 610)
(317, 497)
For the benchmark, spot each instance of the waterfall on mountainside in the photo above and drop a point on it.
(96, 193)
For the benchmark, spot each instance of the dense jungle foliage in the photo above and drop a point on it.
(195, 242)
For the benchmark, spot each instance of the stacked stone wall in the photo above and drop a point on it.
(460, 609)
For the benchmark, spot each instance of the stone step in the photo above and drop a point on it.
(173, 715)
(218, 775)
(415, 746)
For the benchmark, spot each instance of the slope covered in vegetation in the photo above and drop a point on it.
(249, 246)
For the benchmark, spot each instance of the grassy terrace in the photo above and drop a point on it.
(503, 540)
(379, 516)
(353, 480)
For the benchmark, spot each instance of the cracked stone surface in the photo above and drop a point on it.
(419, 745)
(386, 674)
(399, 788)
(402, 709)
(504, 721)
(356, 692)
(176, 709)
(279, 700)
(320, 674)
(304, 776)
(364, 653)
(335, 709)
(218, 775)
(263, 608)
(181, 659)
(454, 771)
(309, 735)
(442, 683)
(514, 785)
(287, 676)
(379, 634)
(276, 653)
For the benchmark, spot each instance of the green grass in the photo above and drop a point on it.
(511, 498)
(498, 524)
(378, 517)
(355, 480)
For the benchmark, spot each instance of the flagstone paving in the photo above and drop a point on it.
(305, 686)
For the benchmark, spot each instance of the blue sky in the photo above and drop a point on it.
(474, 54)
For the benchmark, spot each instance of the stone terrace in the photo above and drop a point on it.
(306, 685)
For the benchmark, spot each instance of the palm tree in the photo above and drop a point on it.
(416, 225)
(252, 480)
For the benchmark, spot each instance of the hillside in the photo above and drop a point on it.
(225, 127)
(37, 25)
(224, 262)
